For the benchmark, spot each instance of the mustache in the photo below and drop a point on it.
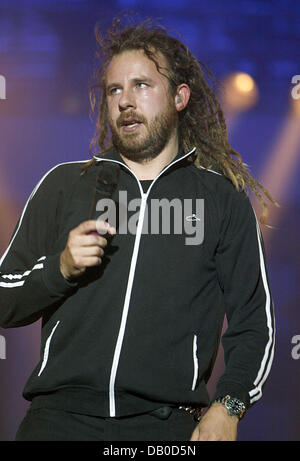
(130, 115)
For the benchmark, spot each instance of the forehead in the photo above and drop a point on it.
(135, 62)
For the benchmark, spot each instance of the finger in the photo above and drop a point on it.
(86, 227)
(111, 230)
(88, 251)
(91, 240)
(91, 261)
(104, 227)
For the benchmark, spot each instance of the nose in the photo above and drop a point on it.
(127, 100)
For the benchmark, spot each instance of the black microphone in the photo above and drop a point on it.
(106, 183)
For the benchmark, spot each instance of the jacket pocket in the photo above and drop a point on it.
(47, 348)
(195, 362)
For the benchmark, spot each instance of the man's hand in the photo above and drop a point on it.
(84, 249)
(215, 425)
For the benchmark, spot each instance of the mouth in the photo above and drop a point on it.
(130, 125)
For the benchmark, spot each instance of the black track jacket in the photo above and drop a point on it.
(143, 328)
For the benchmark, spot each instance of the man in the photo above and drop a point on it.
(131, 321)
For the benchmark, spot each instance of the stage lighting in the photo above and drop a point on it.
(244, 82)
(240, 92)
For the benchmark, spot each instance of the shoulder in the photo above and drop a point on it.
(61, 175)
(70, 168)
(223, 199)
(220, 187)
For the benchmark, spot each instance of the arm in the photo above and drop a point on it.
(30, 277)
(33, 276)
(249, 339)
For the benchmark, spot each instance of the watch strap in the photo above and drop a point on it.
(234, 406)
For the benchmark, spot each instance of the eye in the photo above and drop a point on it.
(142, 85)
(113, 91)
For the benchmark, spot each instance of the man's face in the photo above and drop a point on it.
(141, 112)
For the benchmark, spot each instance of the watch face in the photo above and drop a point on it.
(234, 406)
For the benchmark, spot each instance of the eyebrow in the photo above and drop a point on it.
(134, 80)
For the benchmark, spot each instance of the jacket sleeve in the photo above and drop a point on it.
(248, 342)
(30, 277)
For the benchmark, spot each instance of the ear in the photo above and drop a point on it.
(182, 96)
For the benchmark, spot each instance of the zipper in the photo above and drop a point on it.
(47, 347)
(117, 352)
(195, 360)
(126, 308)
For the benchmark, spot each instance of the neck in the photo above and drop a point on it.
(150, 169)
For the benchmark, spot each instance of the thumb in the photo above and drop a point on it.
(104, 227)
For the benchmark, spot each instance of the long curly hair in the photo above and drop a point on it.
(201, 124)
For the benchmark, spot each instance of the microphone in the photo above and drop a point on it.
(106, 183)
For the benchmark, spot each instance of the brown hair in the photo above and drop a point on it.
(201, 123)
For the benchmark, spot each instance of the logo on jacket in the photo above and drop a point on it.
(193, 217)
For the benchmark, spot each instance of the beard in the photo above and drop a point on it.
(142, 148)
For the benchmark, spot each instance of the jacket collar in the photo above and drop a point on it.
(114, 155)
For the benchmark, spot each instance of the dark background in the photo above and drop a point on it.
(47, 56)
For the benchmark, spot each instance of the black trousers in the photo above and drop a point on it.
(163, 424)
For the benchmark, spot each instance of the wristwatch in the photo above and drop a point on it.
(234, 406)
